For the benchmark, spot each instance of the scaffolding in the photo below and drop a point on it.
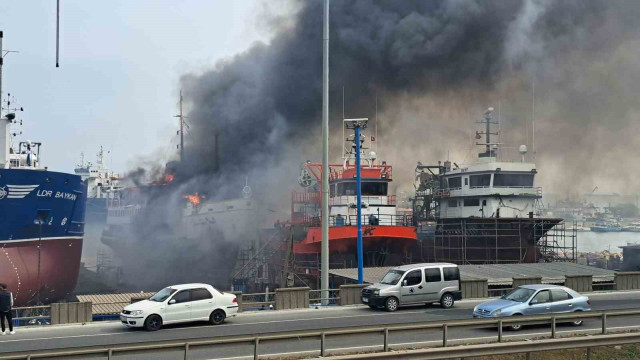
(256, 263)
(558, 243)
(500, 241)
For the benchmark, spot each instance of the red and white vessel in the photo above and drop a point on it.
(387, 234)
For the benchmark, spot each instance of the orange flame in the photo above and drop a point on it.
(169, 178)
(194, 199)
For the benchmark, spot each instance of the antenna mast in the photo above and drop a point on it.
(533, 118)
(181, 118)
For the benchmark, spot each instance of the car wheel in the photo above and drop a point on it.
(515, 327)
(153, 323)
(391, 304)
(447, 301)
(577, 322)
(217, 317)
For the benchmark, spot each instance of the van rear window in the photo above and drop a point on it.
(451, 273)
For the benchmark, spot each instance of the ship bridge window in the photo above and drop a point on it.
(513, 180)
(368, 188)
(480, 181)
(452, 203)
(472, 202)
(374, 188)
(455, 182)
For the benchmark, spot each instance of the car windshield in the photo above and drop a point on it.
(162, 295)
(519, 295)
(392, 277)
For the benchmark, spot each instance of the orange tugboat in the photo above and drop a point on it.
(387, 234)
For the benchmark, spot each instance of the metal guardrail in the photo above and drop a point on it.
(258, 300)
(526, 347)
(315, 296)
(386, 331)
(31, 315)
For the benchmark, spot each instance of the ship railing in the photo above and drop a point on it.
(370, 200)
(486, 190)
(367, 220)
(305, 197)
(352, 220)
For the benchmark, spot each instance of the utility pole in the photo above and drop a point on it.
(324, 255)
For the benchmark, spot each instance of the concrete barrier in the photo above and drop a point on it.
(526, 280)
(579, 283)
(627, 280)
(238, 295)
(350, 294)
(68, 313)
(474, 288)
(292, 298)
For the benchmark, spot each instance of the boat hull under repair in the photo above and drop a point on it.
(377, 240)
(59, 267)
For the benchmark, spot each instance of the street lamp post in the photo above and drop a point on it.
(358, 125)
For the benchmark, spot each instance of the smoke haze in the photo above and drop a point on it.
(435, 66)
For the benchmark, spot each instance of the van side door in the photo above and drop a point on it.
(451, 279)
(433, 284)
(412, 288)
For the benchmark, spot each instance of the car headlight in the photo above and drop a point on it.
(376, 292)
(475, 309)
(136, 312)
(496, 313)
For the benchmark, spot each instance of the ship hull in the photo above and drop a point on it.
(40, 208)
(382, 245)
(59, 267)
(488, 240)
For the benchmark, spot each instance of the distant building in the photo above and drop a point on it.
(604, 200)
(631, 257)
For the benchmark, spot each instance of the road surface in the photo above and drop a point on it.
(265, 322)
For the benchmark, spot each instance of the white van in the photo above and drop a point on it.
(413, 284)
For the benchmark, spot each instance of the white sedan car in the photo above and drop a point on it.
(180, 304)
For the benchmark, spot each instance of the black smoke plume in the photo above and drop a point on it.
(435, 66)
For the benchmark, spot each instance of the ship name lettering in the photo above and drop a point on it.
(64, 195)
(44, 193)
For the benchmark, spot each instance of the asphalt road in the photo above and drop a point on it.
(113, 333)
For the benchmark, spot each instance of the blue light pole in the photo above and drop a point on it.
(359, 205)
(357, 125)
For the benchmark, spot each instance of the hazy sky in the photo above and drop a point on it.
(120, 62)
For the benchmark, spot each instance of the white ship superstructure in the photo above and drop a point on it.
(490, 188)
(102, 183)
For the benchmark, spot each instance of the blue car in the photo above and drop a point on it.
(534, 300)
